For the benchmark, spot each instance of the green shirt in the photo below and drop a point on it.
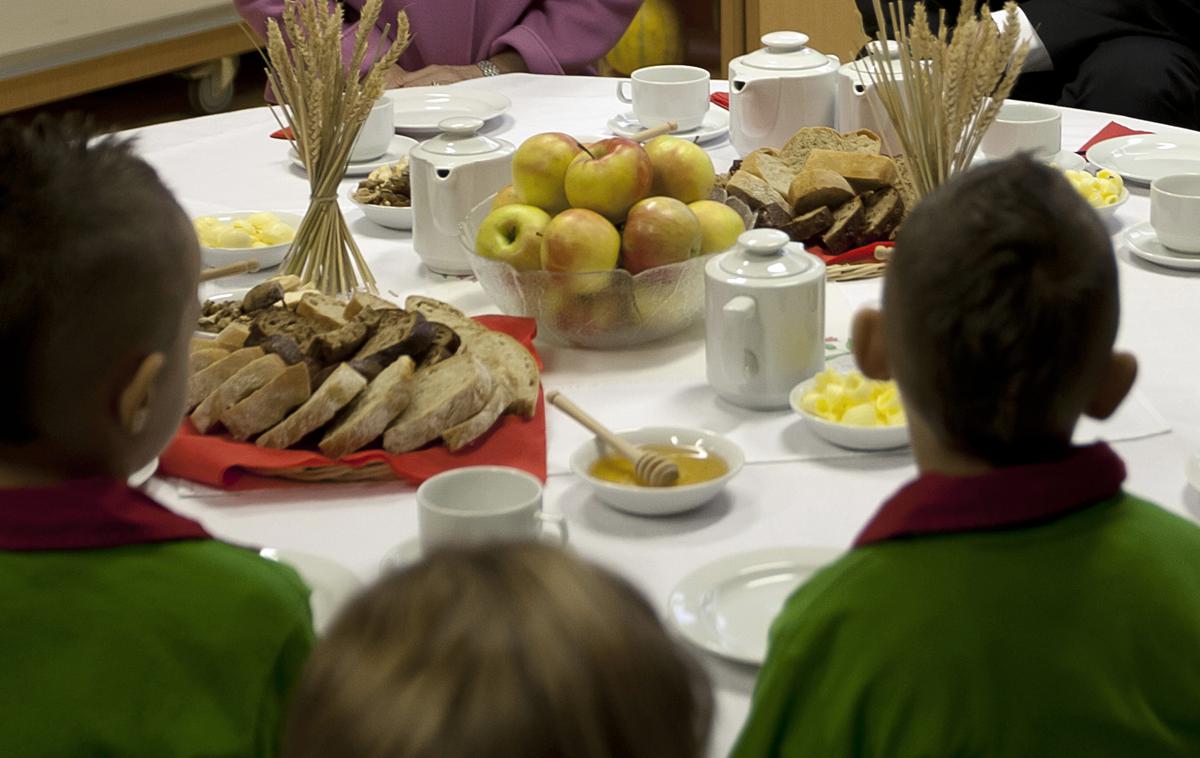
(1077, 637)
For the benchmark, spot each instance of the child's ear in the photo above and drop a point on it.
(1115, 383)
(133, 405)
(869, 351)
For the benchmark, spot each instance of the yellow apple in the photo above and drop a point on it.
(513, 234)
(720, 225)
(507, 195)
(658, 231)
(609, 177)
(580, 240)
(682, 169)
(538, 168)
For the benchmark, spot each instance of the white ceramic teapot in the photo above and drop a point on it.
(858, 103)
(778, 89)
(450, 174)
(765, 319)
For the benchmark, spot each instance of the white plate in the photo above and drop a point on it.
(385, 215)
(1143, 243)
(1062, 160)
(397, 149)
(728, 606)
(267, 257)
(331, 583)
(1146, 157)
(1193, 471)
(420, 109)
(716, 125)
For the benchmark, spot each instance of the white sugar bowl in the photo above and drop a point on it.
(450, 174)
(765, 319)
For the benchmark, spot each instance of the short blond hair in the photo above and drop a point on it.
(505, 650)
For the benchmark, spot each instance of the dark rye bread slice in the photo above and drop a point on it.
(848, 222)
(248, 378)
(268, 405)
(339, 344)
(398, 333)
(809, 225)
(202, 383)
(262, 295)
(368, 416)
(884, 210)
(285, 323)
(334, 394)
(444, 313)
(445, 344)
(441, 397)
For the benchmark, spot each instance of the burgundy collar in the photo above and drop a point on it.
(1007, 497)
(87, 513)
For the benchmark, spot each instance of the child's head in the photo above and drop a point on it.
(1000, 309)
(98, 269)
(505, 650)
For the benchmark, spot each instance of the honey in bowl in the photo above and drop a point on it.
(696, 464)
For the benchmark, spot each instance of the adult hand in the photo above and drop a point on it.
(436, 74)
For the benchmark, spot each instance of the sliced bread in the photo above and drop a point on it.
(809, 225)
(323, 309)
(262, 295)
(862, 141)
(202, 383)
(234, 335)
(753, 191)
(848, 223)
(806, 139)
(884, 210)
(863, 172)
(363, 300)
(334, 394)
(766, 166)
(266, 406)
(398, 333)
(513, 366)
(445, 344)
(814, 187)
(369, 415)
(462, 434)
(441, 396)
(247, 379)
(443, 313)
(199, 359)
(339, 344)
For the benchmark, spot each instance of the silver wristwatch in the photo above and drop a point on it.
(488, 68)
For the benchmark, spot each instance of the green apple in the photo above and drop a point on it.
(658, 231)
(539, 166)
(720, 225)
(682, 169)
(580, 240)
(609, 177)
(513, 234)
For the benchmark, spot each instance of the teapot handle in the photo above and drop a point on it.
(741, 314)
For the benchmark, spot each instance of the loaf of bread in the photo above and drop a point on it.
(372, 411)
(441, 396)
(863, 172)
(247, 379)
(268, 405)
(334, 394)
(814, 187)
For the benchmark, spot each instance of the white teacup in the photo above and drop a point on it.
(1021, 127)
(376, 132)
(483, 504)
(1175, 211)
(667, 93)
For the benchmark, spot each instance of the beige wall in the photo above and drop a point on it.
(833, 26)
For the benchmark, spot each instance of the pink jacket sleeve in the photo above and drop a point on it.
(566, 36)
(256, 13)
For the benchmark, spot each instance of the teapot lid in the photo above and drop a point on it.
(785, 51)
(459, 137)
(764, 254)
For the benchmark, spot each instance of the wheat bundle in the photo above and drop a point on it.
(949, 87)
(324, 101)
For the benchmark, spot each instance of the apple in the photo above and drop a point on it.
(538, 168)
(513, 234)
(609, 177)
(580, 240)
(720, 225)
(658, 231)
(682, 169)
(506, 196)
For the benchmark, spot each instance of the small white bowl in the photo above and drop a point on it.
(385, 215)
(1108, 211)
(659, 501)
(845, 435)
(267, 257)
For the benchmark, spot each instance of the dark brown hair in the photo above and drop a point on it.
(1000, 310)
(505, 650)
(87, 234)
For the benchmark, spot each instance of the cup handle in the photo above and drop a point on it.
(554, 527)
(621, 92)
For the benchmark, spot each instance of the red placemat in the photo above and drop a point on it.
(864, 254)
(284, 133)
(1113, 129)
(720, 99)
(221, 461)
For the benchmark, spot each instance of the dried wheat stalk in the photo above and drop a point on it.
(950, 85)
(325, 101)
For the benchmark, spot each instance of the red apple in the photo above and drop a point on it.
(538, 168)
(580, 240)
(506, 196)
(513, 234)
(720, 225)
(658, 231)
(609, 177)
(682, 169)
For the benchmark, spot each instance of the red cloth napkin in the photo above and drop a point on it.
(220, 461)
(864, 254)
(1113, 129)
(284, 133)
(721, 99)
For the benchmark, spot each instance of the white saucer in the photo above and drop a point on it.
(1067, 161)
(727, 607)
(1146, 157)
(397, 149)
(1143, 243)
(332, 584)
(420, 109)
(402, 556)
(716, 124)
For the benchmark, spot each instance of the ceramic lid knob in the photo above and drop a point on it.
(785, 42)
(763, 241)
(460, 126)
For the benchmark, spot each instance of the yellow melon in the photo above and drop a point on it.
(653, 38)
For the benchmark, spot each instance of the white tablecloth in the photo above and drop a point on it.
(227, 162)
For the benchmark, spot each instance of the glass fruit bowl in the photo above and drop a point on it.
(596, 309)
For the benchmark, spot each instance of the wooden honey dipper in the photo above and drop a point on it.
(650, 468)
